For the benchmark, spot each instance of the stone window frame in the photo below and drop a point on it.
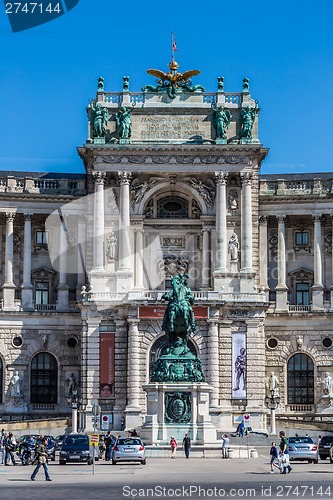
(301, 276)
(44, 275)
(307, 374)
(37, 396)
(305, 247)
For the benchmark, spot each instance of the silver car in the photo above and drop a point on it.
(129, 450)
(303, 448)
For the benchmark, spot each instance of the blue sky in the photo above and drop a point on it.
(49, 73)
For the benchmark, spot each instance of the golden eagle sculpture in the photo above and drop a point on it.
(172, 81)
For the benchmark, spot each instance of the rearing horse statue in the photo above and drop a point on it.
(178, 320)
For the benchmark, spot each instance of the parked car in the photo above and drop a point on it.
(324, 447)
(128, 450)
(303, 448)
(58, 441)
(75, 448)
(331, 454)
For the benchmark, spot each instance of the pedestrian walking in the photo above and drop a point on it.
(108, 447)
(225, 445)
(284, 447)
(187, 445)
(174, 445)
(241, 429)
(41, 452)
(122, 424)
(274, 456)
(10, 447)
(2, 446)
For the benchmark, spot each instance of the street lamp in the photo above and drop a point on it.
(272, 401)
(75, 403)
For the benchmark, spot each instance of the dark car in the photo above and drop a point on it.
(324, 447)
(75, 448)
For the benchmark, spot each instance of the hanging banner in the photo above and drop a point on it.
(239, 366)
(106, 365)
(153, 312)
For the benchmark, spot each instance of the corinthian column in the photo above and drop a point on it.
(98, 256)
(263, 254)
(221, 223)
(213, 362)
(281, 288)
(124, 222)
(246, 218)
(133, 375)
(62, 303)
(9, 287)
(27, 288)
(317, 288)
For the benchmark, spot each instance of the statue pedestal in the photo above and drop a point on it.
(219, 140)
(174, 409)
(124, 141)
(99, 140)
(16, 405)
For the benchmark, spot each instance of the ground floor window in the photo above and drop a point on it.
(300, 379)
(44, 379)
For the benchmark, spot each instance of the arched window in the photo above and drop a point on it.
(1, 379)
(300, 379)
(172, 207)
(159, 346)
(44, 379)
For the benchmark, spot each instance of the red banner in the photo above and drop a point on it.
(106, 365)
(156, 312)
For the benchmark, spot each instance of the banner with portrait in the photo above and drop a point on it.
(239, 366)
(106, 370)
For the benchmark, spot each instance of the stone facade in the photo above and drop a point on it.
(86, 258)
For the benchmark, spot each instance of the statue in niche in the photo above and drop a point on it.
(71, 385)
(15, 385)
(328, 385)
(248, 116)
(124, 121)
(206, 190)
(221, 120)
(111, 246)
(100, 117)
(233, 201)
(233, 247)
(272, 386)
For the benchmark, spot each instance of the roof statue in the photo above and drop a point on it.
(171, 81)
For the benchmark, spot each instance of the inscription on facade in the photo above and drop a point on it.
(171, 127)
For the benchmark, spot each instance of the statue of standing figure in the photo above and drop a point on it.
(233, 247)
(328, 385)
(15, 385)
(111, 246)
(100, 118)
(221, 120)
(248, 116)
(124, 121)
(273, 386)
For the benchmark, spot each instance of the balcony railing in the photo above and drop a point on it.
(45, 307)
(299, 308)
(299, 408)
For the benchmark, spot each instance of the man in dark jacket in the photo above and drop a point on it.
(10, 447)
(187, 445)
(41, 452)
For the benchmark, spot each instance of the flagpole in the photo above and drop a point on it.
(172, 51)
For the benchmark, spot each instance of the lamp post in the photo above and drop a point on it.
(75, 405)
(272, 401)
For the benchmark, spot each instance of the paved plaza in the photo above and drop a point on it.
(165, 478)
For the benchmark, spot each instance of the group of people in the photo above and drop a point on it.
(186, 445)
(280, 459)
(8, 446)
